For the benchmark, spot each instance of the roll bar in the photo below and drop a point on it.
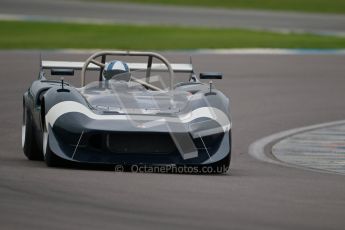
(150, 55)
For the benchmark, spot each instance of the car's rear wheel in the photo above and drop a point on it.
(29, 142)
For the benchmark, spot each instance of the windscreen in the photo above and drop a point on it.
(135, 96)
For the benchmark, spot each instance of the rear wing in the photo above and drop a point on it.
(92, 64)
(177, 68)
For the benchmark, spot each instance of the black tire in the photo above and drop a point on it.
(29, 142)
(221, 166)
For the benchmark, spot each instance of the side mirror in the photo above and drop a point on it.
(62, 72)
(211, 75)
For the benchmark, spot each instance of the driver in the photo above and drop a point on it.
(116, 70)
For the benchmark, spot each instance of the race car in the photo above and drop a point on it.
(130, 113)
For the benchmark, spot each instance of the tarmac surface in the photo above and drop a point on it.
(269, 93)
(101, 12)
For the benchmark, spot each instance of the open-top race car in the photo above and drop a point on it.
(135, 113)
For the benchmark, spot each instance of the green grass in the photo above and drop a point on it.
(42, 35)
(322, 6)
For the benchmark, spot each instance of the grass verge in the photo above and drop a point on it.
(322, 6)
(45, 35)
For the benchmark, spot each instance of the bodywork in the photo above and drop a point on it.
(113, 122)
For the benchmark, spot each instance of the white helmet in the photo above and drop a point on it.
(117, 70)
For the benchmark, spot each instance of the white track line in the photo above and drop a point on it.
(272, 51)
(257, 148)
(244, 51)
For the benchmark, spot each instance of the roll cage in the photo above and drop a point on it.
(94, 65)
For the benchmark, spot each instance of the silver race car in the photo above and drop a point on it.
(135, 113)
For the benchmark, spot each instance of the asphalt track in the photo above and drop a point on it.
(91, 12)
(269, 93)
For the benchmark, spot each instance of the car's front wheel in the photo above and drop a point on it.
(221, 166)
(29, 142)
